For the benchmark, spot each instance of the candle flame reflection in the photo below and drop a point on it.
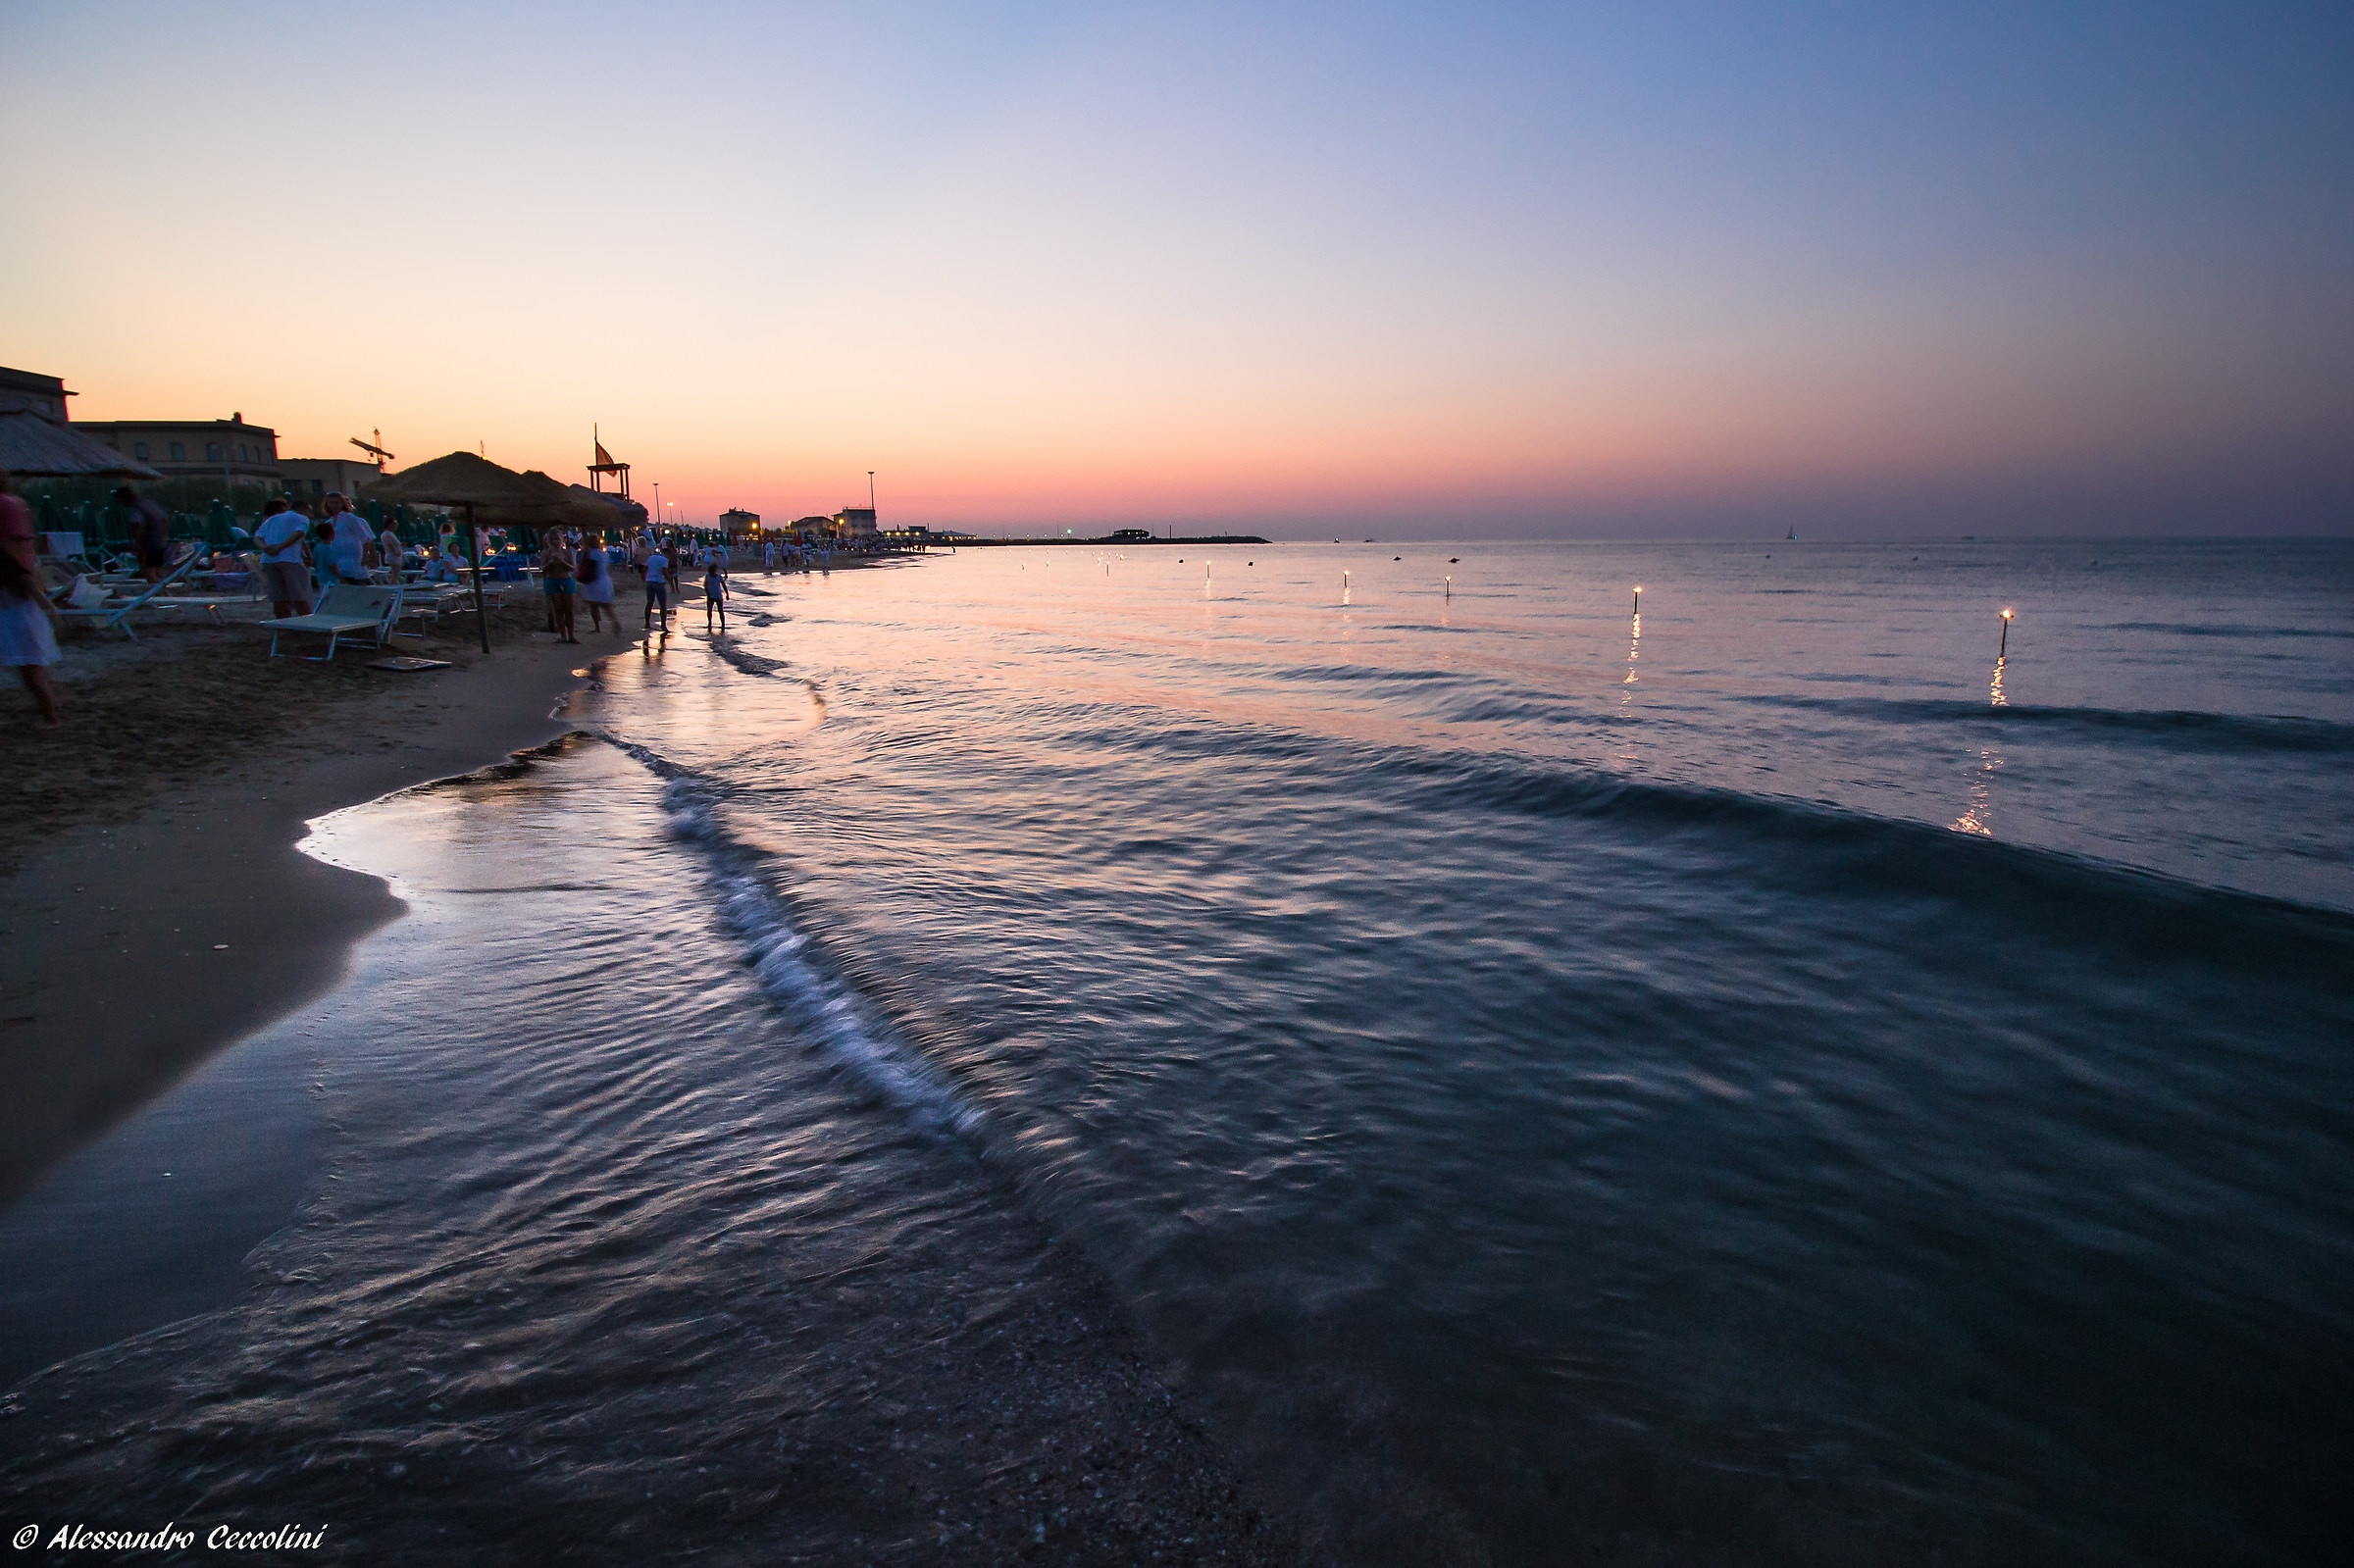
(1978, 815)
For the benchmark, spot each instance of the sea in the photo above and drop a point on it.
(1728, 1053)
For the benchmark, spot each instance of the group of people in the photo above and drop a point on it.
(301, 555)
(571, 570)
(574, 568)
(577, 571)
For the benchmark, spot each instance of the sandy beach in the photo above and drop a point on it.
(156, 906)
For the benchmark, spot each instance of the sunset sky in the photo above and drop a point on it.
(1670, 270)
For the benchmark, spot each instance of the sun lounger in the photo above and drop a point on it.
(66, 550)
(345, 610)
(209, 603)
(433, 599)
(118, 612)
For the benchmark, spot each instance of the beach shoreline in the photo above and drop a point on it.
(175, 913)
(119, 992)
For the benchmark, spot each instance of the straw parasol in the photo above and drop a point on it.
(34, 447)
(580, 508)
(464, 479)
(492, 496)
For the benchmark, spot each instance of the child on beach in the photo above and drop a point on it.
(715, 592)
(656, 567)
(327, 564)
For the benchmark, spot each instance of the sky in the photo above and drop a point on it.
(1658, 270)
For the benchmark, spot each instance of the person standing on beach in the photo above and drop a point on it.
(715, 590)
(596, 586)
(656, 567)
(26, 637)
(354, 538)
(285, 577)
(324, 575)
(555, 577)
(150, 533)
(389, 551)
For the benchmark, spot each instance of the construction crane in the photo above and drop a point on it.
(375, 449)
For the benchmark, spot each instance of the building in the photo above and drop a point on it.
(228, 450)
(310, 478)
(855, 522)
(737, 520)
(26, 391)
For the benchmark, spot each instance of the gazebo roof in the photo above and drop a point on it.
(34, 447)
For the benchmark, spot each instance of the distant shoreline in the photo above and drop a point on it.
(1202, 538)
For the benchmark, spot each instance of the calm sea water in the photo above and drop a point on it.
(1760, 1081)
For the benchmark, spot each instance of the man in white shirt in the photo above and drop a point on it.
(657, 589)
(285, 577)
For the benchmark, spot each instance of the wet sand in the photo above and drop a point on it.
(157, 907)
(988, 1403)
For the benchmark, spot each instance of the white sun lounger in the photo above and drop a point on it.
(345, 610)
(117, 614)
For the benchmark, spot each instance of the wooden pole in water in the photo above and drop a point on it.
(1638, 599)
(2004, 647)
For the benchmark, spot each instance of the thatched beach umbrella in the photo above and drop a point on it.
(578, 508)
(36, 448)
(492, 496)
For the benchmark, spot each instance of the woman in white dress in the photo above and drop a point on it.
(596, 586)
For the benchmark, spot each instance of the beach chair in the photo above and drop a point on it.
(423, 601)
(66, 548)
(118, 613)
(345, 610)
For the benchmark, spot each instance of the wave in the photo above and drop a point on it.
(2185, 629)
(793, 971)
(1813, 848)
(1819, 849)
(741, 657)
(2180, 731)
(1357, 671)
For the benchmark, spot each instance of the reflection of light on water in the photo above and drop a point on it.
(1626, 695)
(1976, 817)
